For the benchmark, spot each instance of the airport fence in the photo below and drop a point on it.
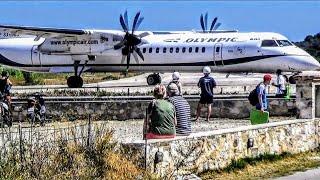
(136, 90)
(32, 141)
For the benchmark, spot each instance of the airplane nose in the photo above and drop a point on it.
(313, 63)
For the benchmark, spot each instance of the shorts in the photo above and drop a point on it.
(158, 136)
(206, 100)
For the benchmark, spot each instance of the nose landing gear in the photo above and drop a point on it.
(292, 80)
(154, 79)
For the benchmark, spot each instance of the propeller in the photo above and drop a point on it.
(204, 23)
(128, 44)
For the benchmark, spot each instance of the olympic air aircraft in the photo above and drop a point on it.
(77, 51)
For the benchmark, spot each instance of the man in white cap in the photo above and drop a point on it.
(182, 108)
(176, 80)
(206, 83)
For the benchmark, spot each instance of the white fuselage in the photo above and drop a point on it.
(163, 52)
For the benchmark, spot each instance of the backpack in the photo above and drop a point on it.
(253, 96)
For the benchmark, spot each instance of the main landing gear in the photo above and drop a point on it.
(76, 81)
(154, 79)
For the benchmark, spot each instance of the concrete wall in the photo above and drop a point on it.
(134, 108)
(216, 149)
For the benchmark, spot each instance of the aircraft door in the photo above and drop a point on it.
(35, 56)
(217, 54)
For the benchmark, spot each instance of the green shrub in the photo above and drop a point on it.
(243, 162)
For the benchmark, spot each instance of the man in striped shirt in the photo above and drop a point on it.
(182, 107)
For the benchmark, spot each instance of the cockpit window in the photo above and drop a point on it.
(284, 43)
(269, 43)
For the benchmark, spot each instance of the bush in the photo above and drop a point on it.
(243, 162)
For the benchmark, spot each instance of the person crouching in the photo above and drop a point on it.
(160, 121)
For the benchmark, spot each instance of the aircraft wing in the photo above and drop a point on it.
(38, 32)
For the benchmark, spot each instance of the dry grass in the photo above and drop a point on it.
(269, 168)
(72, 160)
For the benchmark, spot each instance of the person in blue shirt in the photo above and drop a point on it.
(262, 93)
(206, 84)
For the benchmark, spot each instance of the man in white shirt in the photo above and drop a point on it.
(280, 84)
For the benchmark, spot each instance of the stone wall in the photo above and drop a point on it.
(211, 150)
(122, 108)
(306, 94)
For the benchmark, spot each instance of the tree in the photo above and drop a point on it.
(308, 38)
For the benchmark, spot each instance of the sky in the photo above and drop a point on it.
(293, 19)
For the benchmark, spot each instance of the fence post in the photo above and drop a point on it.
(145, 141)
(3, 143)
(89, 130)
(30, 133)
(20, 146)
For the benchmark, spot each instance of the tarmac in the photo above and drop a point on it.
(313, 174)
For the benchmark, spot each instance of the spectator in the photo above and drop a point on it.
(280, 84)
(160, 121)
(176, 80)
(5, 87)
(206, 83)
(182, 109)
(262, 93)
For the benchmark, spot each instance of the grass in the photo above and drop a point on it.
(61, 78)
(266, 166)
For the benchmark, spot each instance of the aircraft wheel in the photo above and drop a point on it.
(75, 82)
(153, 79)
(292, 80)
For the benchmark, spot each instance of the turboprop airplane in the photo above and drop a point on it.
(67, 50)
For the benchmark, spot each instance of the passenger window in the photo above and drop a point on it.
(164, 50)
(203, 49)
(144, 50)
(269, 43)
(217, 49)
(190, 49)
(183, 49)
(171, 50)
(177, 50)
(196, 50)
(150, 50)
(157, 50)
